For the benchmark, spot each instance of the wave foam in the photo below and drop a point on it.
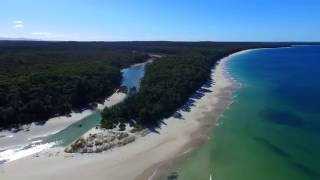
(21, 152)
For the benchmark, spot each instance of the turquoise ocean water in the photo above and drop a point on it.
(272, 130)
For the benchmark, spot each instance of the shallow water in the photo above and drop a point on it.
(272, 130)
(131, 78)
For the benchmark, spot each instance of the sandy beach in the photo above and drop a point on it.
(149, 157)
(13, 146)
(52, 126)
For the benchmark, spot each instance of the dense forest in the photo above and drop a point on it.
(39, 79)
(40, 82)
(168, 83)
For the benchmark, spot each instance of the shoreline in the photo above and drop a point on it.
(200, 136)
(206, 122)
(32, 138)
(33, 131)
(55, 124)
(13, 146)
(160, 151)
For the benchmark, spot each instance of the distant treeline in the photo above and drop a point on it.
(169, 82)
(39, 79)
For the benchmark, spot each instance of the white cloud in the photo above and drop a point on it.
(56, 36)
(18, 24)
(44, 35)
(41, 33)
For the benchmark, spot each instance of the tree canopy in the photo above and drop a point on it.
(169, 82)
(40, 82)
(39, 79)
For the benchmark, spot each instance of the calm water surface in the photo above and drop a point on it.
(272, 130)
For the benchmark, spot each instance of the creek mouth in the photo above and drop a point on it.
(17, 145)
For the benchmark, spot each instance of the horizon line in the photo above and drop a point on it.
(191, 41)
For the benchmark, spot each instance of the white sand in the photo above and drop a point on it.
(138, 160)
(12, 145)
(52, 126)
(112, 100)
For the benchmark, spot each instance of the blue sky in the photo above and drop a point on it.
(181, 20)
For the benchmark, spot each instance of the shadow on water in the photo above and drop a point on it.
(306, 170)
(283, 118)
(280, 152)
(275, 149)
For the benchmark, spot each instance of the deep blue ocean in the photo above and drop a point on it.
(272, 130)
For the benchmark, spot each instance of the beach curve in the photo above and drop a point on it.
(148, 156)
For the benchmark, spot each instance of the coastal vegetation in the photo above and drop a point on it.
(168, 83)
(39, 79)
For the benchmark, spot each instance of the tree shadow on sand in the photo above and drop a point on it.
(155, 126)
